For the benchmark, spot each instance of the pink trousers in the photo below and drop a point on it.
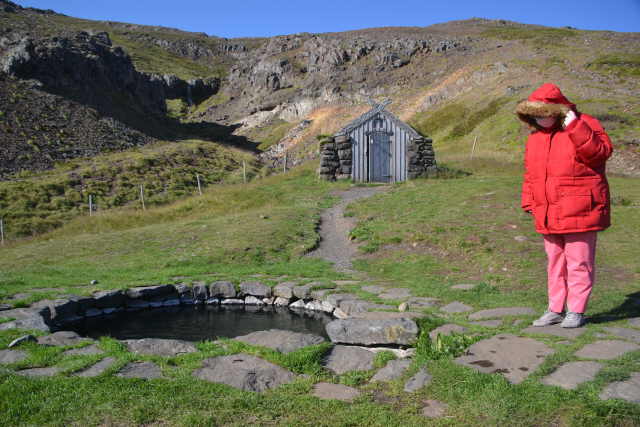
(570, 269)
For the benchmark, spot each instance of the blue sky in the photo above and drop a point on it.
(247, 18)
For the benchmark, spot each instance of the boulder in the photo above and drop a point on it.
(200, 292)
(106, 299)
(150, 292)
(401, 331)
(243, 372)
(251, 300)
(280, 340)
(284, 289)
(222, 289)
(281, 302)
(255, 289)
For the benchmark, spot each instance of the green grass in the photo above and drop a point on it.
(431, 233)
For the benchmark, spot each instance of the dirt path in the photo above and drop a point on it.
(335, 245)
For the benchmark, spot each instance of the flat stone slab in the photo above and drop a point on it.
(395, 293)
(146, 370)
(62, 338)
(434, 409)
(514, 357)
(628, 390)
(456, 307)
(83, 351)
(374, 289)
(354, 306)
(494, 323)
(392, 370)
(464, 286)
(335, 391)
(635, 322)
(501, 312)
(12, 356)
(570, 375)
(400, 331)
(556, 330)
(96, 369)
(380, 315)
(447, 329)
(418, 380)
(630, 334)
(4, 307)
(422, 302)
(346, 282)
(280, 340)
(606, 349)
(343, 359)
(160, 347)
(244, 372)
(39, 372)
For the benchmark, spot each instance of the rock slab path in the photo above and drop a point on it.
(512, 356)
(335, 246)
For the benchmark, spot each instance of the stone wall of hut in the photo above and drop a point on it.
(336, 157)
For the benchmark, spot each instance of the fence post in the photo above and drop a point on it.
(473, 149)
(285, 162)
(90, 204)
(199, 188)
(2, 230)
(244, 171)
(142, 197)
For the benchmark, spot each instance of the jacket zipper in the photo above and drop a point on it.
(546, 174)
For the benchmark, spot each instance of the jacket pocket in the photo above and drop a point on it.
(575, 202)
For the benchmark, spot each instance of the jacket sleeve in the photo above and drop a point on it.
(527, 193)
(592, 144)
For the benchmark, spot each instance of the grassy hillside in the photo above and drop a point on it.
(36, 202)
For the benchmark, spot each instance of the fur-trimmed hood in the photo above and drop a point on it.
(546, 101)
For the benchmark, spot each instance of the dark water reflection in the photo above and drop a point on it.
(196, 323)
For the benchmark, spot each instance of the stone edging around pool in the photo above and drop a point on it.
(395, 329)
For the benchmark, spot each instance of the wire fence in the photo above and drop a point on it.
(92, 201)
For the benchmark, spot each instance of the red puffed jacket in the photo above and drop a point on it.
(564, 185)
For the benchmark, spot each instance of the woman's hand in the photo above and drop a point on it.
(568, 118)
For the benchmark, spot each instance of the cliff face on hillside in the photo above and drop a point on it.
(77, 95)
(114, 80)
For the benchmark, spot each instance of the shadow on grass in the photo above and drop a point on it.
(628, 309)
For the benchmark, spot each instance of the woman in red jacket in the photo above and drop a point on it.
(566, 191)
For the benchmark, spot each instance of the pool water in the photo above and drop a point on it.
(198, 323)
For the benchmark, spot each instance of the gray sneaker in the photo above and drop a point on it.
(573, 320)
(548, 318)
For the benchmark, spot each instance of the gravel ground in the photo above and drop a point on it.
(335, 245)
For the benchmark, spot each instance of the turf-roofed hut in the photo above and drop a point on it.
(376, 147)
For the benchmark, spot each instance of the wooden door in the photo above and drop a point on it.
(380, 157)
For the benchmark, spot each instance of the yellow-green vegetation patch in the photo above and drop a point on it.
(270, 133)
(548, 34)
(176, 108)
(217, 99)
(620, 64)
